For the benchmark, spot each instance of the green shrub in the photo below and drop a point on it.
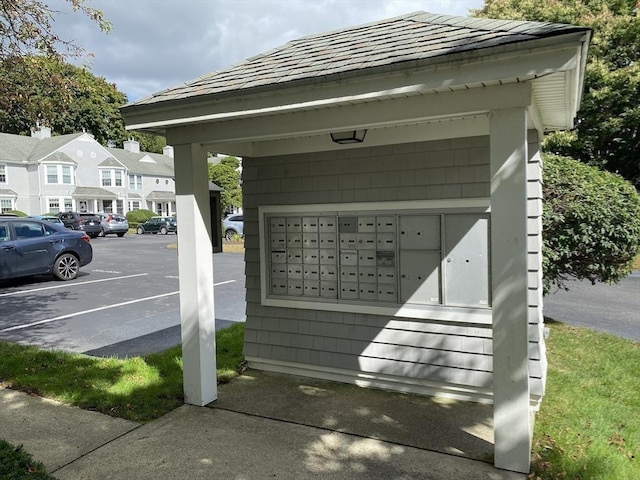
(139, 216)
(17, 212)
(591, 223)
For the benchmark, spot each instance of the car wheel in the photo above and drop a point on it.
(101, 234)
(163, 230)
(140, 231)
(66, 267)
(121, 234)
(228, 235)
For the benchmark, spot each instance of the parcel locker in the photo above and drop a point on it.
(420, 277)
(419, 232)
(466, 274)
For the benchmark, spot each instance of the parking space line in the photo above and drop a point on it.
(72, 284)
(75, 314)
(106, 307)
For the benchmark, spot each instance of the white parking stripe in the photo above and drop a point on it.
(71, 315)
(71, 284)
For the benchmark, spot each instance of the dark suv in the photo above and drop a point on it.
(89, 223)
(161, 225)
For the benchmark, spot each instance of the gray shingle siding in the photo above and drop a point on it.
(441, 353)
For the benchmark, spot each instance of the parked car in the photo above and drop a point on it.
(162, 225)
(5, 214)
(48, 218)
(35, 247)
(87, 222)
(233, 225)
(113, 223)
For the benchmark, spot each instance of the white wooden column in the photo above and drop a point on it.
(512, 428)
(195, 269)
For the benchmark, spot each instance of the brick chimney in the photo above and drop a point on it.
(131, 145)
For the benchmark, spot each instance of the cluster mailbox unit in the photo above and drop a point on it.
(339, 259)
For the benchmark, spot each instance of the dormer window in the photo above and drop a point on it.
(59, 174)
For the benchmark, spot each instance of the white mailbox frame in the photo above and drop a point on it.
(458, 314)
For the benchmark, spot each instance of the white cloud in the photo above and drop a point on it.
(156, 44)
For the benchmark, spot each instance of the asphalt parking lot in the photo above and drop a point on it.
(125, 302)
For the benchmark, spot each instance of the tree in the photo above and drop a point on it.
(591, 221)
(607, 132)
(26, 28)
(48, 91)
(225, 174)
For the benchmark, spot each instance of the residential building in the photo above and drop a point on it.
(50, 174)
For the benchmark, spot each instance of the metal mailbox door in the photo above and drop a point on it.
(466, 276)
(420, 277)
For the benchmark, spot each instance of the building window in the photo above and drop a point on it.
(6, 204)
(3, 174)
(135, 182)
(66, 174)
(107, 206)
(68, 205)
(134, 205)
(119, 206)
(106, 178)
(52, 174)
(54, 205)
(60, 174)
(118, 178)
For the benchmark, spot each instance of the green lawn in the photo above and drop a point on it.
(588, 426)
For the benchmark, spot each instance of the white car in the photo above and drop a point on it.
(233, 225)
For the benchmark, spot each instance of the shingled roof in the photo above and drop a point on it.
(418, 36)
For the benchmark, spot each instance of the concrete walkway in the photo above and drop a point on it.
(263, 426)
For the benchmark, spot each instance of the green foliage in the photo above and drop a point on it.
(607, 132)
(26, 26)
(46, 91)
(225, 174)
(16, 464)
(591, 223)
(17, 212)
(139, 216)
(149, 143)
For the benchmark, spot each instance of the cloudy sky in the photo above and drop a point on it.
(156, 44)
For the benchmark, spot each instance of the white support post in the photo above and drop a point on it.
(195, 269)
(512, 427)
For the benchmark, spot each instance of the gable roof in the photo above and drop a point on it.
(29, 150)
(414, 37)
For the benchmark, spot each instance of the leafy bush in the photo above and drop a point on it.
(139, 216)
(591, 223)
(17, 212)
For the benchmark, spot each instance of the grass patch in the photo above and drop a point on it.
(136, 388)
(16, 464)
(588, 426)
